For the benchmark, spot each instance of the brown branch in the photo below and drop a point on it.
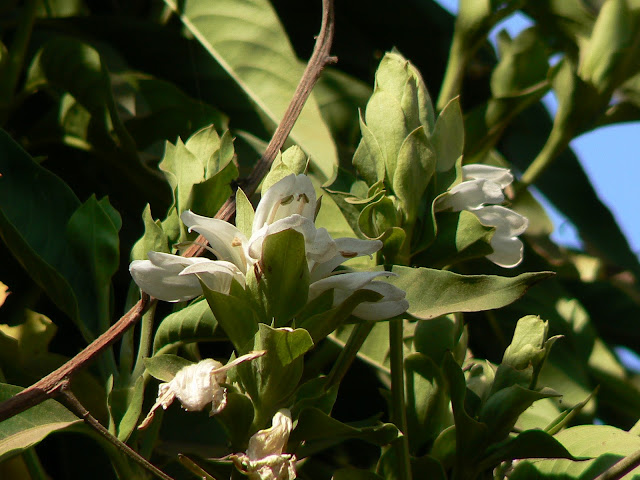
(51, 385)
(69, 400)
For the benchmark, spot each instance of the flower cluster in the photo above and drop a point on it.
(264, 459)
(288, 204)
(481, 192)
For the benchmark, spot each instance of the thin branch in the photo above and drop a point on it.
(620, 469)
(69, 400)
(51, 385)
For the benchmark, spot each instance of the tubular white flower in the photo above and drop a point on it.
(347, 248)
(264, 459)
(391, 304)
(479, 193)
(161, 276)
(198, 385)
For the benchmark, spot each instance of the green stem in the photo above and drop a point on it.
(348, 354)
(621, 468)
(558, 140)
(398, 411)
(452, 81)
(146, 338)
(11, 74)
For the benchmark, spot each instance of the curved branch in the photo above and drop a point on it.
(51, 385)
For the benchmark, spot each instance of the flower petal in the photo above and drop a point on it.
(507, 248)
(271, 441)
(216, 274)
(391, 304)
(294, 194)
(347, 248)
(225, 239)
(159, 277)
(476, 171)
(349, 282)
(470, 195)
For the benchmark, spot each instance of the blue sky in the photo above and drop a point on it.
(609, 156)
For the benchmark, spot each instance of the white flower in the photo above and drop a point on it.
(170, 277)
(288, 204)
(480, 193)
(198, 385)
(392, 303)
(264, 459)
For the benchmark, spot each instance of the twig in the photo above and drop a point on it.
(51, 385)
(620, 469)
(68, 399)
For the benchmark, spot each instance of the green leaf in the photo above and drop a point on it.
(274, 376)
(448, 136)
(231, 31)
(471, 435)
(125, 404)
(238, 320)
(316, 425)
(165, 367)
(75, 67)
(504, 407)
(292, 162)
(244, 213)
(93, 237)
(610, 40)
(415, 166)
(427, 401)
(161, 110)
(369, 158)
(56, 239)
(605, 442)
(284, 283)
(236, 418)
(154, 239)
(432, 293)
(460, 237)
(528, 444)
(31, 426)
(436, 336)
(191, 324)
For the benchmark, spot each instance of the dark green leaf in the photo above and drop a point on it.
(191, 324)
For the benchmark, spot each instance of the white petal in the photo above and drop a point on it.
(271, 441)
(507, 248)
(159, 277)
(501, 176)
(216, 274)
(225, 239)
(470, 195)
(347, 282)
(507, 251)
(505, 220)
(196, 386)
(294, 194)
(347, 248)
(393, 303)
